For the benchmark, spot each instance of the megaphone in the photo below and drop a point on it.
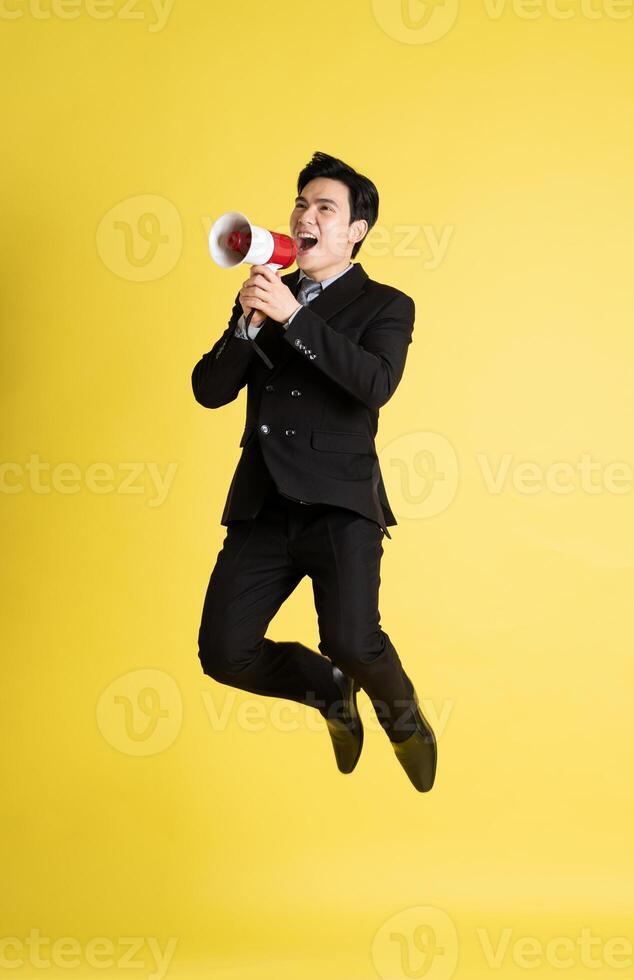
(234, 240)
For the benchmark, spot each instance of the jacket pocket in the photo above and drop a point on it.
(341, 442)
(245, 435)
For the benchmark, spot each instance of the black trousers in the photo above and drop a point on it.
(261, 562)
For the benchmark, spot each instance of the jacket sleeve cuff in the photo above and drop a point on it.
(287, 324)
(240, 330)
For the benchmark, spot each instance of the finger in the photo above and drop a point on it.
(259, 280)
(264, 270)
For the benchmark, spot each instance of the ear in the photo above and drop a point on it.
(357, 230)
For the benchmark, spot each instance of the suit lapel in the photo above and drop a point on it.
(327, 304)
(339, 293)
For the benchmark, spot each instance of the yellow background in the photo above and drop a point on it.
(129, 809)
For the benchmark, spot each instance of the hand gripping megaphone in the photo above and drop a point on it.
(233, 240)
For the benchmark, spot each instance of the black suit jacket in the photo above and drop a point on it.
(312, 419)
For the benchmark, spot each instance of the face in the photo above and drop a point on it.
(323, 211)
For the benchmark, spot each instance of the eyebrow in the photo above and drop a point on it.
(328, 200)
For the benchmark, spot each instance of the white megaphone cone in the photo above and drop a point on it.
(234, 240)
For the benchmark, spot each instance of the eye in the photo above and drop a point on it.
(326, 206)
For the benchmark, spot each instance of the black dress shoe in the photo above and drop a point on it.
(346, 729)
(417, 754)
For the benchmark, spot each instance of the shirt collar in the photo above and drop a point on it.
(325, 282)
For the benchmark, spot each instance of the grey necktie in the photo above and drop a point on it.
(308, 290)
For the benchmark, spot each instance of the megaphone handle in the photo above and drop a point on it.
(266, 360)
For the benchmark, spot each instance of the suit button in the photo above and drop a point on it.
(270, 388)
(312, 357)
(265, 429)
(298, 342)
(290, 432)
(295, 393)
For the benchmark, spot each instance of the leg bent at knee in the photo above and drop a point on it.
(222, 659)
(350, 652)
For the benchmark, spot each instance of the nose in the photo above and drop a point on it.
(306, 218)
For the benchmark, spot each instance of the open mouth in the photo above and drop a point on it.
(305, 244)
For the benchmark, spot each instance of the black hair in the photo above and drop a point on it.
(363, 196)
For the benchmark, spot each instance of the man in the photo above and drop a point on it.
(307, 496)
